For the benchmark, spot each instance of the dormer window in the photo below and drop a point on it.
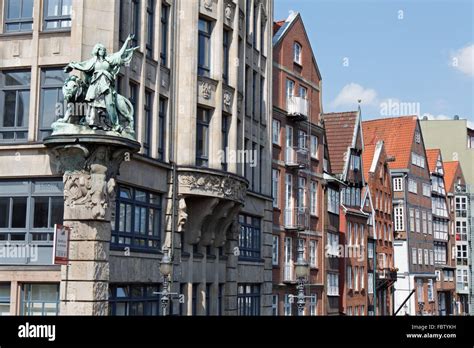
(297, 53)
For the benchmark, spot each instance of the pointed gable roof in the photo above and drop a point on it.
(368, 158)
(432, 156)
(397, 134)
(341, 133)
(452, 170)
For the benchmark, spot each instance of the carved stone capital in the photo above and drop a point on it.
(90, 168)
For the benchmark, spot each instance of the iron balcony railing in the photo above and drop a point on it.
(296, 218)
(297, 108)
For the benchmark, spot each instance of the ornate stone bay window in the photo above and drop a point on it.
(209, 203)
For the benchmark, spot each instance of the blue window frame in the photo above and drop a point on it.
(249, 238)
(14, 105)
(248, 299)
(18, 16)
(57, 14)
(40, 299)
(134, 299)
(137, 222)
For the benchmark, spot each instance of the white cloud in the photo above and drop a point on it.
(463, 60)
(351, 93)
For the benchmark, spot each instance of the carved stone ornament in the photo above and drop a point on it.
(206, 90)
(89, 180)
(213, 185)
(227, 99)
(208, 4)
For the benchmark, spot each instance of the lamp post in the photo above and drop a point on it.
(302, 274)
(166, 295)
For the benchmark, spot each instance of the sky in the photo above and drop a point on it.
(398, 56)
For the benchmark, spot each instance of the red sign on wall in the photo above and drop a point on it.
(61, 244)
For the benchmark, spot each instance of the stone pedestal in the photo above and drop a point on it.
(90, 165)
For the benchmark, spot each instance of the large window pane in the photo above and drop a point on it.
(19, 212)
(4, 211)
(27, 9)
(9, 109)
(41, 212)
(17, 78)
(57, 210)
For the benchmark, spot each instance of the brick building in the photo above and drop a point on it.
(345, 144)
(412, 217)
(297, 170)
(458, 198)
(377, 173)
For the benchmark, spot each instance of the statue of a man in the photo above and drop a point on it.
(100, 72)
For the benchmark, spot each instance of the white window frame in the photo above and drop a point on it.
(432, 258)
(370, 284)
(398, 184)
(349, 276)
(276, 130)
(275, 187)
(412, 186)
(399, 218)
(313, 257)
(426, 257)
(333, 284)
(287, 305)
(420, 256)
(314, 146)
(417, 221)
(426, 190)
(414, 257)
(275, 304)
(275, 249)
(430, 288)
(313, 305)
(314, 197)
(297, 50)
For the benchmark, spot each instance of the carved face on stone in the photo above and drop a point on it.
(101, 153)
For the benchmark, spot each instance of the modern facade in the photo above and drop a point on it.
(297, 170)
(412, 216)
(200, 186)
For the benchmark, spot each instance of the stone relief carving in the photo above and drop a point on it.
(182, 214)
(226, 187)
(89, 180)
(206, 90)
(227, 99)
(208, 5)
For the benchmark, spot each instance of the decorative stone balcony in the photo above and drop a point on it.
(209, 203)
(297, 108)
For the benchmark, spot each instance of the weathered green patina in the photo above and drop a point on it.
(93, 104)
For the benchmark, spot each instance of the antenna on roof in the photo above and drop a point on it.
(359, 101)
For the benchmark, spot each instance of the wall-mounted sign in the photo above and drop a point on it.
(61, 244)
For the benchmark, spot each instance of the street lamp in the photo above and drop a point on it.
(302, 274)
(166, 295)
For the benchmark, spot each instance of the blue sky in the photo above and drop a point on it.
(397, 56)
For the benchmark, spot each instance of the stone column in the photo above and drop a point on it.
(90, 166)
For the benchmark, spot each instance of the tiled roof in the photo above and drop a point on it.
(397, 134)
(283, 28)
(432, 158)
(450, 169)
(339, 134)
(368, 158)
(277, 25)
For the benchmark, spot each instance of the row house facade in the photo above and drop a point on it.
(345, 147)
(196, 109)
(443, 234)
(380, 246)
(412, 213)
(459, 204)
(297, 167)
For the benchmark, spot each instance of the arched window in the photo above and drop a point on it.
(297, 53)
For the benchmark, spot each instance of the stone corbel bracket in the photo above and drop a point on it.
(210, 200)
